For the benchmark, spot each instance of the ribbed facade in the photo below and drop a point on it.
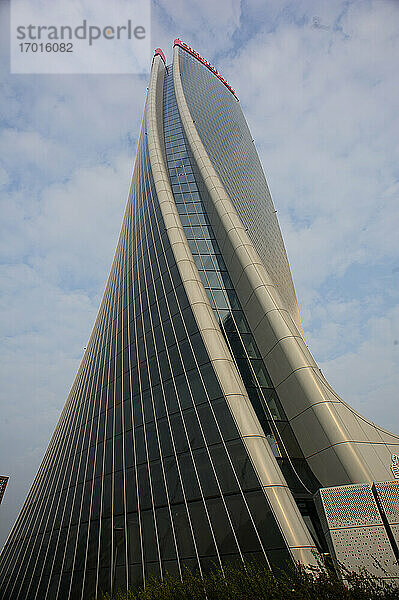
(224, 132)
(182, 442)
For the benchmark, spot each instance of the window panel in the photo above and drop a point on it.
(221, 526)
(149, 536)
(206, 473)
(185, 543)
(243, 526)
(223, 468)
(165, 535)
(173, 480)
(202, 530)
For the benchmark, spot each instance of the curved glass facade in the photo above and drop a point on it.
(189, 192)
(159, 460)
(146, 471)
(224, 132)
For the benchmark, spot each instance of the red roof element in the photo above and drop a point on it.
(208, 65)
(159, 52)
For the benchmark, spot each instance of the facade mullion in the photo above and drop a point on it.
(133, 337)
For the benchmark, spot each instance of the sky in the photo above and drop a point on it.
(318, 84)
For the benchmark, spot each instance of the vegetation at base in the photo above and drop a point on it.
(255, 582)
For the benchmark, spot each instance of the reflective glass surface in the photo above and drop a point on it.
(225, 302)
(146, 471)
(231, 473)
(222, 127)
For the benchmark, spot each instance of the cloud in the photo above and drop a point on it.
(73, 216)
(57, 261)
(368, 375)
(322, 107)
(4, 179)
(207, 26)
(23, 152)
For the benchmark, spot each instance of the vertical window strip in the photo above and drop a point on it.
(141, 221)
(184, 170)
(148, 229)
(111, 332)
(199, 239)
(170, 428)
(97, 394)
(133, 334)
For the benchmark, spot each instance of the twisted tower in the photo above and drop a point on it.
(199, 428)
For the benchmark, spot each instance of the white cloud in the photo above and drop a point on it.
(51, 289)
(207, 26)
(4, 179)
(79, 222)
(368, 377)
(23, 151)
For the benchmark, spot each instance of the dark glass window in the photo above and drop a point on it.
(173, 480)
(149, 536)
(221, 526)
(202, 530)
(165, 534)
(184, 537)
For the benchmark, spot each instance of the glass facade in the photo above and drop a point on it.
(228, 142)
(230, 192)
(146, 472)
(189, 192)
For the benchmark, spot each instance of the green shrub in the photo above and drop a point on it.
(252, 581)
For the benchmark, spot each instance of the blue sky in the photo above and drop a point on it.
(318, 84)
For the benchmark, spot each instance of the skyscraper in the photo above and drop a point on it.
(199, 428)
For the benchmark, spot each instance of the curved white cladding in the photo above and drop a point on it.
(281, 501)
(228, 142)
(339, 444)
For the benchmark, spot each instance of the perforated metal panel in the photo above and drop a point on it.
(3, 484)
(388, 496)
(366, 547)
(354, 528)
(395, 531)
(350, 506)
(387, 493)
